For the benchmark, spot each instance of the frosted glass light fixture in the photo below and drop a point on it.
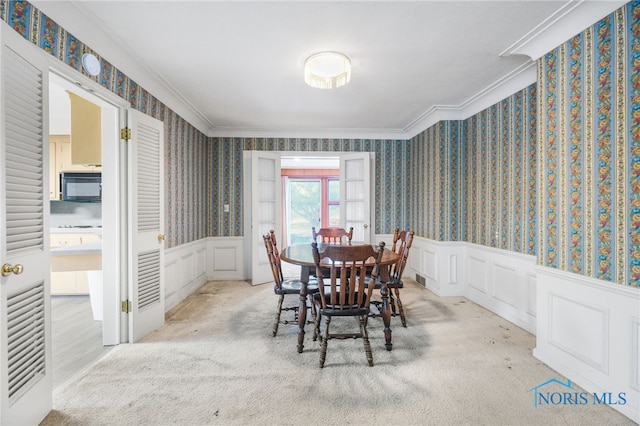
(327, 70)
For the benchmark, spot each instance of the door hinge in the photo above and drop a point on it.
(125, 134)
(126, 306)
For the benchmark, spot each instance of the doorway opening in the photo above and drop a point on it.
(311, 188)
(265, 199)
(82, 330)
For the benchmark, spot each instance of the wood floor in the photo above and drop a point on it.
(77, 337)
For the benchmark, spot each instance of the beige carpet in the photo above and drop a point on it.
(215, 362)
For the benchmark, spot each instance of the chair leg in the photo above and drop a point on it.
(316, 326)
(278, 312)
(400, 308)
(314, 315)
(325, 340)
(392, 302)
(365, 339)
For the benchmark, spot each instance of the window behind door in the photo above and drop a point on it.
(310, 201)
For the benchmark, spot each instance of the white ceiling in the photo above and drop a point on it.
(235, 68)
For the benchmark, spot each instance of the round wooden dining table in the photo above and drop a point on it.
(302, 255)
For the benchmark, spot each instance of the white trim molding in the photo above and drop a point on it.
(188, 266)
(185, 269)
(589, 331)
(225, 258)
(501, 281)
(570, 19)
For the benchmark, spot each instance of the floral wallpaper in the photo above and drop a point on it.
(186, 148)
(589, 157)
(226, 167)
(474, 180)
(551, 171)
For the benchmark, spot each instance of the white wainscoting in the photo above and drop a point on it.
(438, 264)
(189, 266)
(185, 270)
(502, 281)
(225, 258)
(589, 331)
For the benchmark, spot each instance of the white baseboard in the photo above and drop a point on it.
(589, 331)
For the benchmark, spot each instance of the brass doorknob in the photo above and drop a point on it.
(8, 269)
(160, 237)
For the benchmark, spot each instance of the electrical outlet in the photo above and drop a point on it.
(226, 208)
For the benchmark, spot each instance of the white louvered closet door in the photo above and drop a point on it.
(25, 329)
(146, 220)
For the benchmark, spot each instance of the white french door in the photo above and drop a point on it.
(355, 197)
(266, 210)
(25, 328)
(146, 225)
(263, 203)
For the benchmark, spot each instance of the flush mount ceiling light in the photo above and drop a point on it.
(327, 70)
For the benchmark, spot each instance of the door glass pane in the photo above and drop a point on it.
(303, 209)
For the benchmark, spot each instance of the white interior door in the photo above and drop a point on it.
(25, 328)
(355, 197)
(146, 225)
(266, 210)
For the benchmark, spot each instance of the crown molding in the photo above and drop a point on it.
(318, 133)
(519, 79)
(76, 18)
(571, 19)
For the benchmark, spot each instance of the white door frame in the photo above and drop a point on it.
(249, 242)
(113, 198)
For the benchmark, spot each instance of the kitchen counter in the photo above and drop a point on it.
(94, 247)
(91, 230)
(77, 257)
(76, 261)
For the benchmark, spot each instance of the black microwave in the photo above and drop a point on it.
(81, 186)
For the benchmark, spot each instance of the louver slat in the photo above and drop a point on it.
(24, 156)
(25, 336)
(148, 278)
(149, 203)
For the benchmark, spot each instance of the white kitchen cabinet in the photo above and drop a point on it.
(86, 131)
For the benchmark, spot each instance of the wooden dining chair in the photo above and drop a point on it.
(402, 241)
(283, 287)
(344, 293)
(332, 234)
